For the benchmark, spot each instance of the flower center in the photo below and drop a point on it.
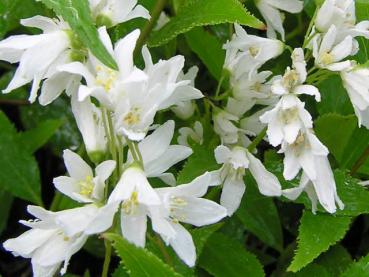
(290, 79)
(289, 115)
(130, 205)
(326, 58)
(254, 51)
(86, 186)
(133, 117)
(105, 77)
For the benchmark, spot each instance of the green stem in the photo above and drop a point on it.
(132, 149)
(257, 140)
(106, 259)
(219, 85)
(155, 13)
(307, 37)
(120, 155)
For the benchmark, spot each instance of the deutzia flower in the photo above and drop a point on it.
(224, 126)
(329, 54)
(235, 161)
(286, 120)
(322, 189)
(82, 186)
(356, 82)
(113, 12)
(246, 53)
(46, 244)
(196, 134)
(254, 88)
(289, 116)
(270, 10)
(39, 56)
(302, 154)
(162, 89)
(137, 198)
(185, 109)
(90, 123)
(183, 203)
(158, 155)
(103, 83)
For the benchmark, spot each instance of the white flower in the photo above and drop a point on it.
(252, 124)
(340, 13)
(46, 244)
(158, 155)
(270, 10)
(356, 82)
(38, 57)
(235, 161)
(137, 198)
(90, 123)
(286, 120)
(113, 12)
(293, 79)
(196, 134)
(82, 186)
(329, 53)
(224, 126)
(246, 53)
(185, 109)
(253, 88)
(322, 189)
(162, 89)
(106, 84)
(302, 154)
(183, 203)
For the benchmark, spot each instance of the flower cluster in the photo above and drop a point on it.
(114, 110)
(115, 113)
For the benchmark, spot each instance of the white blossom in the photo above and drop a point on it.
(185, 109)
(301, 154)
(158, 155)
(39, 56)
(46, 244)
(183, 203)
(270, 10)
(137, 198)
(322, 189)
(91, 126)
(356, 82)
(235, 161)
(113, 12)
(246, 53)
(82, 185)
(196, 134)
(329, 53)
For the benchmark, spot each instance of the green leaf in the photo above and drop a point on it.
(224, 256)
(335, 260)
(67, 136)
(336, 139)
(311, 270)
(198, 163)
(360, 268)
(6, 201)
(201, 13)
(201, 235)
(37, 137)
(259, 215)
(208, 48)
(19, 172)
(334, 97)
(139, 261)
(316, 234)
(120, 271)
(11, 11)
(77, 13)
